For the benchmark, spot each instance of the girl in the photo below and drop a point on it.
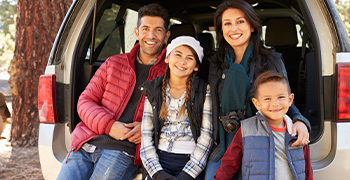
(177, 122)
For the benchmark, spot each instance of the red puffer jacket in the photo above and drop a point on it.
(106, 96)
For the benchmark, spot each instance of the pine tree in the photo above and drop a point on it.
(37, 24)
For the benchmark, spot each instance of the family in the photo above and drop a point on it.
(149, 108)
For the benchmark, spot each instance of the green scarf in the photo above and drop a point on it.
(236, 87)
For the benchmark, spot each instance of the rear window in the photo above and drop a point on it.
(105, 26)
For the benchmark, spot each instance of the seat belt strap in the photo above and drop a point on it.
(119, 22)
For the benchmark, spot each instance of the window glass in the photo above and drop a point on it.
(174, 21)
(105, 26)
(130, 25)
(300, 41)
(263, 35)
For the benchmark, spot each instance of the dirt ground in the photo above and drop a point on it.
(18, 163)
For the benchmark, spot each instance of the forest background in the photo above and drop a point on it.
(8, 16)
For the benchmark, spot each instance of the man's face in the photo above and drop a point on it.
(151, 35)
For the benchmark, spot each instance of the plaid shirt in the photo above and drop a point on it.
(176, 129)
(151, 62)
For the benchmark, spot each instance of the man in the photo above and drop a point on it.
(105, 145)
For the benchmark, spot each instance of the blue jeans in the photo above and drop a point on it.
(101, 164)
(211, 169)
(213, 166)
(173, 163)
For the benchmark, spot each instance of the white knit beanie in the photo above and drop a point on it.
(186, 40)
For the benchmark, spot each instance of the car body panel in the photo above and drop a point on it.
(336, 165)
(52, 145)
(330, 153)
(324, 34)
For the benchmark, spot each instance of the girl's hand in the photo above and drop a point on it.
(303, 135)
(162, 175)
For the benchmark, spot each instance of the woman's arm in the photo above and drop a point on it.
(148, 152)
(200, 154)
(295, 115)
(301, 125)
(293, 111)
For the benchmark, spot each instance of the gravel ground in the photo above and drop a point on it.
(18, 163)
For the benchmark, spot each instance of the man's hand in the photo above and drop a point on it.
(303, 135)
(118, 130)
(134, 135)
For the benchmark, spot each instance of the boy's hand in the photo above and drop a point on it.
(303, 135)
(134, 136)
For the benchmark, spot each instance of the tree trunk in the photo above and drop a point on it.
(37, 24)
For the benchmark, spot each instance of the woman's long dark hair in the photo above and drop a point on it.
(261, 55)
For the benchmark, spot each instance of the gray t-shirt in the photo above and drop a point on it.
(282, 169)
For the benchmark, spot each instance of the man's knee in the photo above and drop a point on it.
(115, 165)
(76, 165)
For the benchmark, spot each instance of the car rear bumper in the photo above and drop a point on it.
(53, 145)
(337, 163)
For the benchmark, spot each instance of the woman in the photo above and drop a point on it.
(175, 142)
(240, 59)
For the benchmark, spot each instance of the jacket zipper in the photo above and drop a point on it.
(70, 152)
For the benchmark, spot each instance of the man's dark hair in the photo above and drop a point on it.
(269, 76)
(154, 9)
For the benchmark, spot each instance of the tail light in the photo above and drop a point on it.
(47, 99)
(342, 99)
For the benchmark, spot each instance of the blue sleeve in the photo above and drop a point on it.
(293, 111)
(295, 115)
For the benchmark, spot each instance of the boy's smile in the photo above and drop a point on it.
(274, 100)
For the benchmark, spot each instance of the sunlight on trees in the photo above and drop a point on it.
(7, 32)
(7, 46)
(8, 16)
(343, 7)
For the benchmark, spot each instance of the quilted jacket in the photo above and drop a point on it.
(106, 96)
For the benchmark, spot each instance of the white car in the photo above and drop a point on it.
(309, 34)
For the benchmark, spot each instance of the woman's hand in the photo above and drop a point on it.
(303, 134)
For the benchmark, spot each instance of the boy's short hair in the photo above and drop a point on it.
(269, 76)
(154, 10)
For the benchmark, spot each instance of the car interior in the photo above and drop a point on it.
(284, 28)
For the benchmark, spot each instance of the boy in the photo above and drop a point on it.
(262, 144)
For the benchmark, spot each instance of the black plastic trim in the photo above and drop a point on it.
(54, 58)
(342, 35)
(61, 102)
(315, 41)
